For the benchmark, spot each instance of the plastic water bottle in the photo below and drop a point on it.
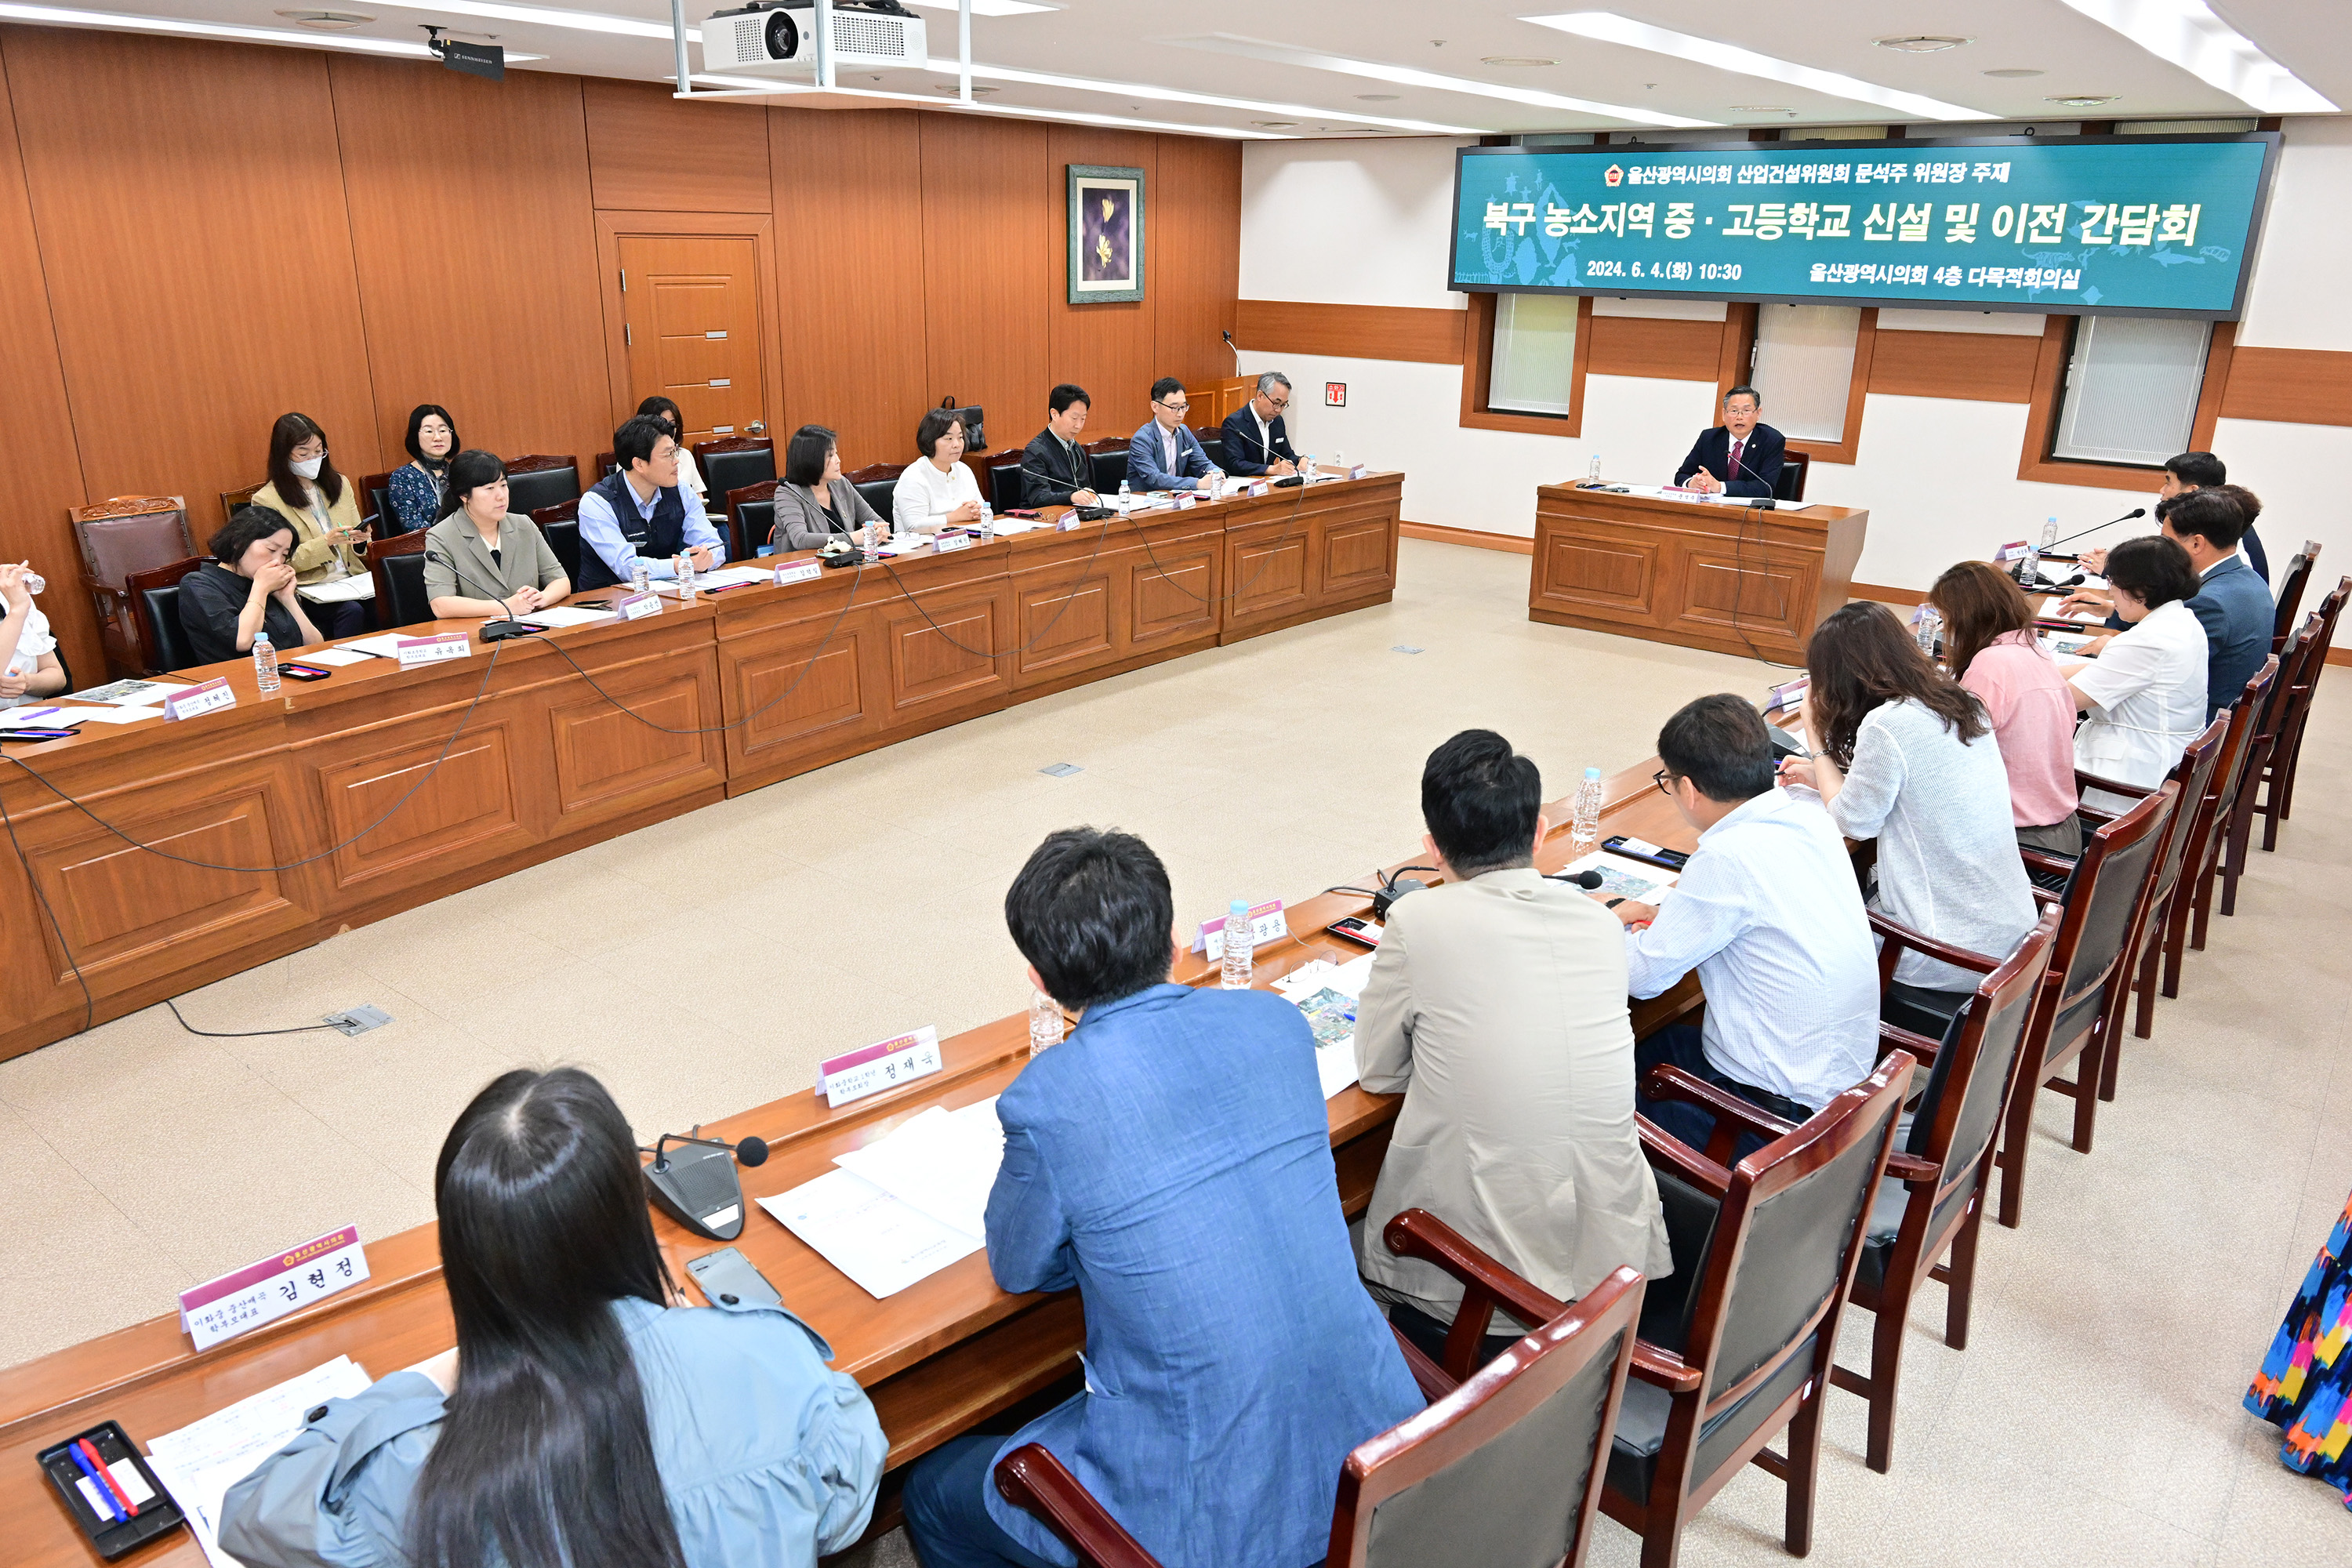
(1126, 498)
(1927, 627)
(1217, 477)
(641, 576)
(987, 522)
(684, 567)
(33, 583)
(1044, 1022)
(1239, 949)
(1584, 821)
(1592, 472)
(1307, 467)
(2029, 572)
(265, 664)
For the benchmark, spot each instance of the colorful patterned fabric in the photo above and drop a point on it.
(2306, 1383)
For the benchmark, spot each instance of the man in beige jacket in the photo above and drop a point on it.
(1496, 1006)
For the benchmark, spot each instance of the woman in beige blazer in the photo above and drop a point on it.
(329, 538)
(814, 503)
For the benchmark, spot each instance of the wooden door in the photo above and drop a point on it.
(690, 320)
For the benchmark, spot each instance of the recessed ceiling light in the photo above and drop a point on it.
(2083, 101)
(953, 87)
(326, 21)
(989, 7)
(1514, 60)
(758, 87)
(1176, 95)
(2189, 34)
(1760, 109)
(1378, 96)
(1606, 27)
(63, 17)
(1921, 43)
(1275, 124)
(1405, 76)
(2012, 73)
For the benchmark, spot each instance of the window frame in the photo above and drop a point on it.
(1848, 447)
(2036, 462)
(1477, 375)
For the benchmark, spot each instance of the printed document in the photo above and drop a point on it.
(941, 1163)
(883, 1246)
(199, 1463)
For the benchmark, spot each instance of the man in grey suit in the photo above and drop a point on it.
(1496, 1006)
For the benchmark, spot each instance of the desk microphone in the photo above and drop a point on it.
(1589, 880)
(2136, 511)
(498, 628)
(700, 1190)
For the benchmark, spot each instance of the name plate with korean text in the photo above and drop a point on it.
(799, 571)
(210, 697)
(1256, 488)
(1267, 923)
(885, 1064)
(263, 1292)
(444, 648)
(1355, 470)
(946, 543)
(636, 606)
(1070, 520)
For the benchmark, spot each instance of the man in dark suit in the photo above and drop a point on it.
(1055, 469)
(2231, 601)
(1738, 456)
(1256, 439)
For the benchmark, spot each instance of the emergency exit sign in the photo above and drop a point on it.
(1335, 395)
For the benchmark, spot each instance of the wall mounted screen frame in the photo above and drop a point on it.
(2168, 225)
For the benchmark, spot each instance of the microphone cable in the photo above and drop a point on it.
(1740, 587)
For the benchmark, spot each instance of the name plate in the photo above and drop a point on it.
(885, 1064)
(1267, 923)
(1355, 470)
(1256, 488)
(946, 543)
(2013, 550)
(209, 697)
(636, 606)
(1187, 500)
(799, 571)
(1070, 520)
(416, 653)
(263, 1292)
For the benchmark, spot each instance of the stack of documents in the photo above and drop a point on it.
(1328, 994)
(904, 1206)
(198, 1463)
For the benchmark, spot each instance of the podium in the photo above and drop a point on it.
(1727, 578)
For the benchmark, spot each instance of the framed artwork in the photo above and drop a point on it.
(1106, 214)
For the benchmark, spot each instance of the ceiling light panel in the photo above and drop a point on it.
(1607, 27)
(1406, 76)
(182, 27)
(1136, 89)
(542, 15)
(2189, 34)
(759, 87)
(988, 7)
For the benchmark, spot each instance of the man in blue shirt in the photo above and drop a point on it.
(640, 511)
(1164, 455)
(1171, 1160)
(1769, 913)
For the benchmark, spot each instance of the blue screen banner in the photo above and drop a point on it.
(2114, 225)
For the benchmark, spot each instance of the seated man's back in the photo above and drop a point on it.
(1172, 1160)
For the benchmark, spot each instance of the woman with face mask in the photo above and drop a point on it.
(667, 413)
(417, 484)
(330, 561)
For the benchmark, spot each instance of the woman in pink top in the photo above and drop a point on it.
(1988, 637)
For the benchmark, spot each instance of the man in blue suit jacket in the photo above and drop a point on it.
(1164, 455)
(1738, 456)
(1257, 441)
(1172, 1160)
(2231, 601)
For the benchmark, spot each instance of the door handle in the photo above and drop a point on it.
(756, 429)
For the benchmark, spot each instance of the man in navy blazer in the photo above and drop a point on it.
(1257, 441)
(1738, 456)
(1164, 455)
(2231, 601)
(1171, 1160)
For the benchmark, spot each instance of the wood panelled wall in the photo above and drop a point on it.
(195, 238)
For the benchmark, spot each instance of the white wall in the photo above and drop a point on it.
(1937, 476)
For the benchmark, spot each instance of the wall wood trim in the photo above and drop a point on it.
(1654, 347)
(2042, 414)
(1738, 361)
(1980, 367)
(1357, 332)
(1843, 450)
(1477, 369)
(2291, 387)
(1477, 538)
(756, 227)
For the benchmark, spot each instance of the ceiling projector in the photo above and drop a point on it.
(781, 39)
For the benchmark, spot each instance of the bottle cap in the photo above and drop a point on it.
(1593, 773)
(1239, 907)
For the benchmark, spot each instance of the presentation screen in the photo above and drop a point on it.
(2116, 225)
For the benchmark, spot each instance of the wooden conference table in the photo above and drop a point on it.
(355, 788)
(936, 1358)
(1695, 573)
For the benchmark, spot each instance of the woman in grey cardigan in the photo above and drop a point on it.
(814, 503)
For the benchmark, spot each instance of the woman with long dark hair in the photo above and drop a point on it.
(1903, 754)
(582, 1421)
(331, 540)
(1990, 640)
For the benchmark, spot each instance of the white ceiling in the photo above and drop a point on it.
(1234, 48)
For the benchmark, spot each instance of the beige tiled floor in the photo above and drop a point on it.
(704, 965)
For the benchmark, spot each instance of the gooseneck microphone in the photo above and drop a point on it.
(699, 1187)
(2136, 511)
(1589, 880)
(498, 628)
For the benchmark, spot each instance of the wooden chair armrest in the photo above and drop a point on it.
(1896, 931)
(1913, 1172)
(1659, 1365)
(1661, 1148)
(1893, 1038)
(1031, 1478)
(1435, 1384)
(1417, 1232)
(2093, 781)
(2035, 861)
(1732, 1114)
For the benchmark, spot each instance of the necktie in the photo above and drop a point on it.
(1735, 445)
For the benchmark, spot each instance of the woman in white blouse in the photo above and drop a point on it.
(2144, 694)
(939, 491)
(28, 650)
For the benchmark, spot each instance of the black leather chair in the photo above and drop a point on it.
(754, 522)
(407, 603)
(1110, 470)
(561, 524)
(531, 487)
(878, 494)
(386, 516)
(1212, 442)
(728, 466)
(1790, 486)
(1005, 486)
(171, 649)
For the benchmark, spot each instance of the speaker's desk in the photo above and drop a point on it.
(376, 790)
(1729, 578)
(936, 1358)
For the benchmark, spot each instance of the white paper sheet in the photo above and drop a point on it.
(333, 657)
(940, 1162)
(1335, 1064)
(883, 1246)
(45, 715)
(386, 645)
(568, 615)
(199, 1463)
(105, 715)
